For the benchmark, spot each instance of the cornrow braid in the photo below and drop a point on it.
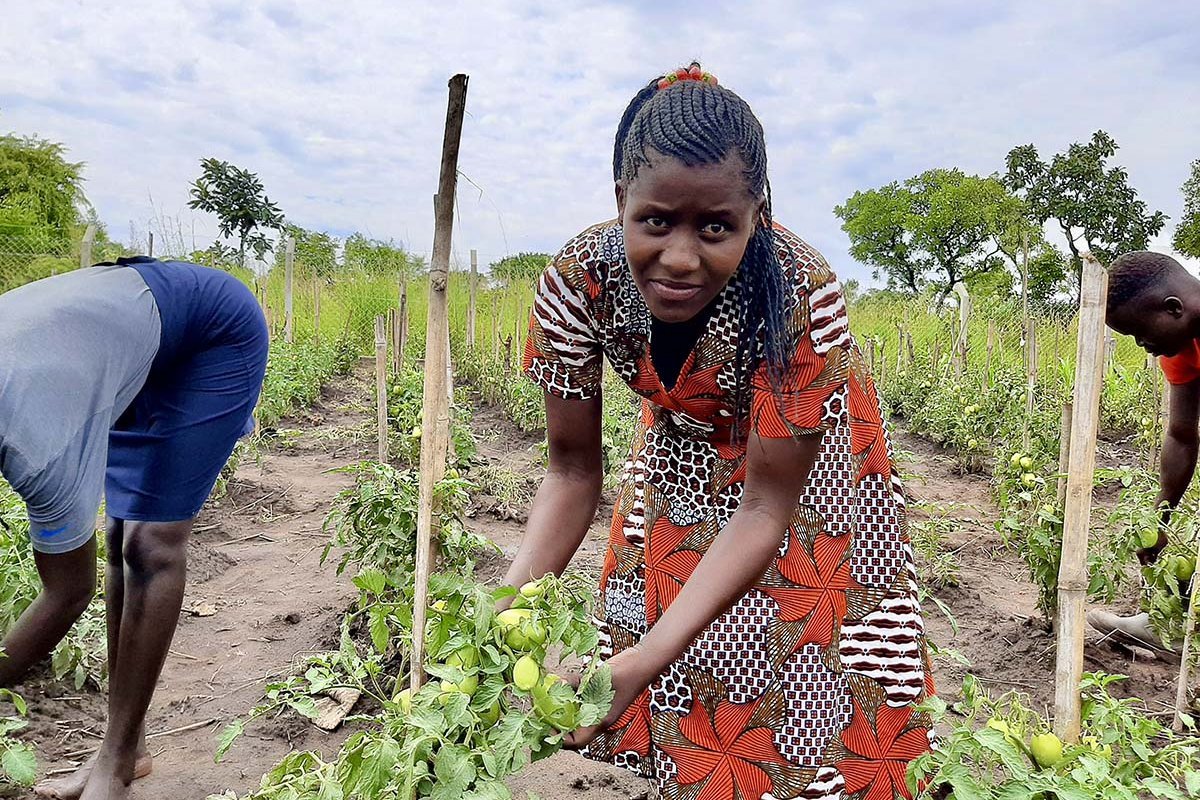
(703, 123)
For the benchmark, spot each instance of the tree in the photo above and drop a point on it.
(1187, 234)
(1089, 200)
(376, 257)
(315, 252)
(40, 191)
(521, 268)
(934, 230)
(242, 207)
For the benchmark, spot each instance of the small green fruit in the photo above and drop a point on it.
(526, 673)
(972, 444)
(1016, 459)
(1147, 538)
(532, 590)
(1029, 479)
(1185, 567)
(1026, 463)
(404, 700)
(1047, 749)
(512, 617)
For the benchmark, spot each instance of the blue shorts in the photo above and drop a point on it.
(167, 449)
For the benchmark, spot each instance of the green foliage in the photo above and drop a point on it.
(295, 374)
(240, 202)
(934, 230)
(1187, 234)
(315, 253)
(406, 396)
(375, 257)
(18, 765)
(523, 268)
(40, 190)
(1081, 193)
(991, 752)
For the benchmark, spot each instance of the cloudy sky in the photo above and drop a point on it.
(339, 106)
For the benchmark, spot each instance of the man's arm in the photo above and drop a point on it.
(566, 501)
(1179, 452)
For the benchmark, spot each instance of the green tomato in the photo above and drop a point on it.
(415, 432)
(491, 716)
(972, 444)
(468, 686)
(1026, 463)
(532, 590)
(465, 658)
(404, 700)
(1016, 459)
(526, 673)
(1185, 567)
(1047, 749)
(1147, 538)
(512, 617)
(1029, 479)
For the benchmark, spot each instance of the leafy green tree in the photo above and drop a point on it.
(1187, 234)
(40, 191)
(315, 252)
(1088, 200)
(242, 207)
(931, 231)
(216, 255)
(376, 257)
(521, 268)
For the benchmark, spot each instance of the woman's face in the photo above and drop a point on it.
(686, 230)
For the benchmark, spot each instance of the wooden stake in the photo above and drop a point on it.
(85, 246)
(1064, 452)
(436, 414)
(1072, 574)
(316, 311)
(402, 336)
(471, 302)
(1031, 375)
(381, 388)
(1185, 664)
(289, 258)
(964, 318)
(151, 251)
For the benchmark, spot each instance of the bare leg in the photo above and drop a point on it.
(68, 583)
(72, 786)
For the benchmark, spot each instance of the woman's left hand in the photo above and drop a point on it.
(631, 674)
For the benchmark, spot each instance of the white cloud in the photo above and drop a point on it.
(339, 107)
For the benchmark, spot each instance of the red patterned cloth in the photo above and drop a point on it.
(805, 688)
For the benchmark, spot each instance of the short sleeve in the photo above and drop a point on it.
(812, 395)
(1183, 368)
(562, 351)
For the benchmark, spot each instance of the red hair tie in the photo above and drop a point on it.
(691, 73)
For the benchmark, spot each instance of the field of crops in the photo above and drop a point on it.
(289, 675)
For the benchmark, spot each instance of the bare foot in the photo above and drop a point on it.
(71, 787)
(105, 785)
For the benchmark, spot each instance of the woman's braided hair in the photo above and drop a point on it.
(700, 122)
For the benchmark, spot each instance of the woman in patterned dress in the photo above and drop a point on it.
(758, 600)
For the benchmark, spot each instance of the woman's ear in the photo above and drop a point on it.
(620, 190)
(760, 214)
(1173, 306)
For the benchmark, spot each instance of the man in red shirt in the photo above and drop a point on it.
(1152, 298)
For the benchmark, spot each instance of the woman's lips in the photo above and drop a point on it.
(674, 292)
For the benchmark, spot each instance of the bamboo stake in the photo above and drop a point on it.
(1031, 374)
(316, 311)
(85, 246)
(1185, 665)
(1072, 575)
(471, 301)
(1064, 452)
(402, 321)
(381, 388)
(289, 259)
(964, 318)
(436, 356)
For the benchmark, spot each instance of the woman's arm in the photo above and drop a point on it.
(566, 501)
(1178, 461)
(776, 473)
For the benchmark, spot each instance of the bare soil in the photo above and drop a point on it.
(259, 600)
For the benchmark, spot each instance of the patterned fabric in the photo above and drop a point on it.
(806, 687)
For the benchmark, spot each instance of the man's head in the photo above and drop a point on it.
(1152, 298)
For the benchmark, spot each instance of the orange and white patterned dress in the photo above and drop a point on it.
(806, 687)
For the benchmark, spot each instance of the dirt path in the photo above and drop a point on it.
(257, 599)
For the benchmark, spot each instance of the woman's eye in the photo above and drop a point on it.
(715, 228)
(656, 222)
